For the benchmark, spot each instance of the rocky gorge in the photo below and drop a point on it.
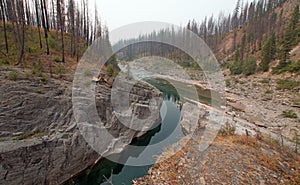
(40, 140)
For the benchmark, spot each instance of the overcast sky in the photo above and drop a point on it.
(117, 13)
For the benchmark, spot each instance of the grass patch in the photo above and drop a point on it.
(57, 59)
(269, 91)
(228, 84)
(59, 71)
(265, 81)
(246, 140)
(227, 130)
(87, 72)
(29, 135)
(237, 81)
(4, 61)
(37, 69)
(296, 100)
(40, 91)
(13, 75)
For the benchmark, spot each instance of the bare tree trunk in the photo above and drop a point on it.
(77, 35)
(46, 15)
(45, 28)
(61, 20)
(53, 16)
(38, 23)
(16, 17)
(21, 15)
(13, 19)
(4, 24)
(27, 12)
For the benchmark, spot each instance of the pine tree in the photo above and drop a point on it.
(290, 36)
(268, 52)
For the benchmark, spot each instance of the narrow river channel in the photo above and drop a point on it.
(167, 133)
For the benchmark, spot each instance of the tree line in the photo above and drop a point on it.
(68, 18)
(252, 26)
(259, 16)
(163, 43)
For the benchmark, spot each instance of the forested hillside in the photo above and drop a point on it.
(47, 35)
(246, 41)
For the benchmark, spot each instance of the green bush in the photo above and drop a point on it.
(290, 114)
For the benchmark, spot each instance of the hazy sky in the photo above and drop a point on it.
(116, 13)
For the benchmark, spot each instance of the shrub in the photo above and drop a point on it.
(111, 71)
(228, 84)
(13, 75)
(269, 91)
(37, 69)
(57, 60)
(249, 67)
(293, 67)
(87, 72)
(227, 130)
(236, 68)
(265, 81)
(4, 61)
(287, 66)
(53, 44)
(59, 71)
(290, 114)
(287, 84)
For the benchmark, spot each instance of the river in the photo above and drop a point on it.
(166, 133)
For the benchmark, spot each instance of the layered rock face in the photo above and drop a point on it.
(40, 140)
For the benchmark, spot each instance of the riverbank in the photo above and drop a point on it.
(230, 159)
(260, 102)
(257, 144)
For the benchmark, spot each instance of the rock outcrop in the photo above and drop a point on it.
(40, 140)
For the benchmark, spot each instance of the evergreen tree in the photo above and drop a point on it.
(249, 66)
(290, 36)
(268, 52)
